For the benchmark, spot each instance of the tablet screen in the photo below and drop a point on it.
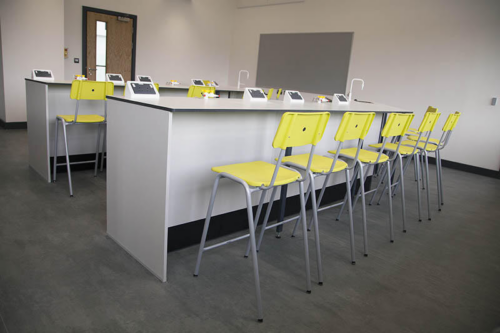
(43, 74)
(295, 95)
(143, 89)
(113, 77)
(341, 98)
(256, 93)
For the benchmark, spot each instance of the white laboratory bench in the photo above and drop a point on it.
(160, 155)
(45, 100)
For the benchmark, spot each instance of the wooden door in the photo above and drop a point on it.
(119, 45)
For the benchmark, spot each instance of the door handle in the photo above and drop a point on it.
(92, 69)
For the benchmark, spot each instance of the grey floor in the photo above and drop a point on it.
(59, 272)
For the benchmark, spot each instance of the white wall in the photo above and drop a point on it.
(411, 54)
(176, 39)
(32, 37)
(2, 96)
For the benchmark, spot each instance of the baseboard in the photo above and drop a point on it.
(13, 125)
(188, 234)
(467, 168)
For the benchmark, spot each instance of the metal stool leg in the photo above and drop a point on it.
(441, 177)
(67, 158)
(304, 234)
(364, 181)
(415, 167)
(54, 175)
(97, 149)
(389, 190)
(316, 229)
(104, 145)
(207, 224)
(438, 179)
(419, 200)
(266, 218)
(422, 169)
(363, 203)
(318, 201)
(402, 182)
(380, 180)
(251, 228)
(300, 216)
(353, 183)
(257, 217)
(427, 184)
(351, 222)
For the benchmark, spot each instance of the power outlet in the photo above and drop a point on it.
(494, 101)
(76, 60)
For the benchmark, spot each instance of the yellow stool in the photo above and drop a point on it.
(397, 124)
(295, 129)
(448, 128)
(270, 93)
(86, 90)
(398, 152)
(427, 125)
(278, 94)
(197, 91)
(354, 126)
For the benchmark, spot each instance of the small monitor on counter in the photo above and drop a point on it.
(141, 90)
(254, 94)
(144, 78)
(198, 82)
(117, 79)
(42, 75)
(293, 96)
(341, 98)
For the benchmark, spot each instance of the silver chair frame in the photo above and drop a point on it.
(363, 175)
(316, 203)
(252, 224)
(66, 148)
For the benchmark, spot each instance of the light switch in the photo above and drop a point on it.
(494, 101)
(76, 60)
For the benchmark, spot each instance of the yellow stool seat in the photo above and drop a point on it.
(259, 173)
(320, 164)
(365, 156)
(431, 140)
(84, 118)
(421, 145)
(403, 150)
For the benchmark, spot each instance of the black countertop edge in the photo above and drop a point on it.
(164, 108)
(141, 103)
(47, 82)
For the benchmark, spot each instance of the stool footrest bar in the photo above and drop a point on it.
(82, 162)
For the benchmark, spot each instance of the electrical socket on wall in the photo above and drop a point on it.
(76, 60)
(494, 101)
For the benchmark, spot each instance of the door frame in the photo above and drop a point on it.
(84, 35)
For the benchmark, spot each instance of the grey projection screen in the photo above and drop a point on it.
(308, 62)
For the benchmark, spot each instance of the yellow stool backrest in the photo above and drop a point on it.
(270, 93)
(91, 90)
(430, 120)
(197, 91)
(354, 125)
(300, 129)
(207, 82)
(451, 122)
(397, 124)
(278, 94)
